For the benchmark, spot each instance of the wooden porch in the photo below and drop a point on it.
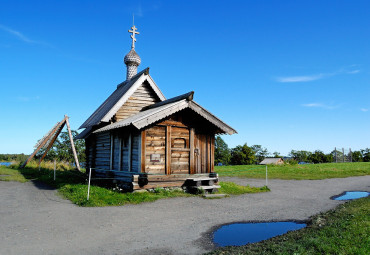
(131, 181)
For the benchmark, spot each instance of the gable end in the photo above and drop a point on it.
(142, 97)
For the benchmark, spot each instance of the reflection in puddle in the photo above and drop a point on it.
(243, 233)
(349, 195)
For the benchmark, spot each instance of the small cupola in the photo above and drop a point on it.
(132, 59)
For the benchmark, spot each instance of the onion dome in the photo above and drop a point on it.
(132, 58)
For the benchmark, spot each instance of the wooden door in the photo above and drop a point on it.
(203, 153)
(180, 150)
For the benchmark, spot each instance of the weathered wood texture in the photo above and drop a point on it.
(142, 97)
(180, 150)
(155, 143)
(72, 143)
(103, 150)
(90, 151)
(204, 150)
(136, 151)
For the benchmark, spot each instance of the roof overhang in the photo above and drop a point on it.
(166, 108)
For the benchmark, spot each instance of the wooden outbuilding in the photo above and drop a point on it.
(272, 161)
(142, 140)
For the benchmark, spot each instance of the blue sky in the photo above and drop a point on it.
(285, 74)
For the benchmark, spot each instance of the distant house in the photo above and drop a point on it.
(272, 161)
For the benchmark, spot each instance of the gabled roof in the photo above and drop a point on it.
(161, 110)
(123, 92)
(268, 161)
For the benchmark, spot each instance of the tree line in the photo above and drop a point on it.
(13, 157)
(248, 155)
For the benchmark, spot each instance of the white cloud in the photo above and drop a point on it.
(353, 72)
(21, 36)
(17, 34)
(301, 78)
(314, 77)
(319, 105)
(364, 109)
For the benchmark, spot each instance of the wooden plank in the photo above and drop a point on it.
(165, 178)
(52, 142)
(206, 187)
(111, 152)
(72, 144)
(191, 145)
(129, 151)
(202, 179)
(212, 154)
(162, 185)
(143, 150)
(168, 150)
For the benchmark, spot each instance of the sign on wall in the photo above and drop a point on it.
(155, 157)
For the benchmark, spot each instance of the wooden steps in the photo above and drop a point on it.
(206, 184)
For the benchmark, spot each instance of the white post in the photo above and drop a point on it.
(88, 186)
(266, 176)
(55, 167)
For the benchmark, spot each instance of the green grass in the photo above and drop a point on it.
(8, 174)
(231, 188)
(105, 197)
(297, 172)
(72, 185)
(344, 230)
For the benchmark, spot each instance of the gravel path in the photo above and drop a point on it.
(34, 220)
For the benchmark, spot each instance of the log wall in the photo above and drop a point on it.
(180, 148)
(143, 96)
(155, 143)
(102, 150)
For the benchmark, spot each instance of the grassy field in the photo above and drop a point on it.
(297, 172)
(344, 230)
(72, 185)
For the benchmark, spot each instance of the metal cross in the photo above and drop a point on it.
(133, 31)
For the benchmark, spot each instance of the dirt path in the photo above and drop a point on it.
(34, 220)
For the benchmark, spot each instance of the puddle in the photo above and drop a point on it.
(243, 233)
(349, 195)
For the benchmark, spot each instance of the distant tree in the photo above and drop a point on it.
(259, 152)
(357, 156)
(222, 151)
(242, 155)
(276, 154)
(329, 158)
(300, 155)
(319, 157)
(13, 157)
(366, 155)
